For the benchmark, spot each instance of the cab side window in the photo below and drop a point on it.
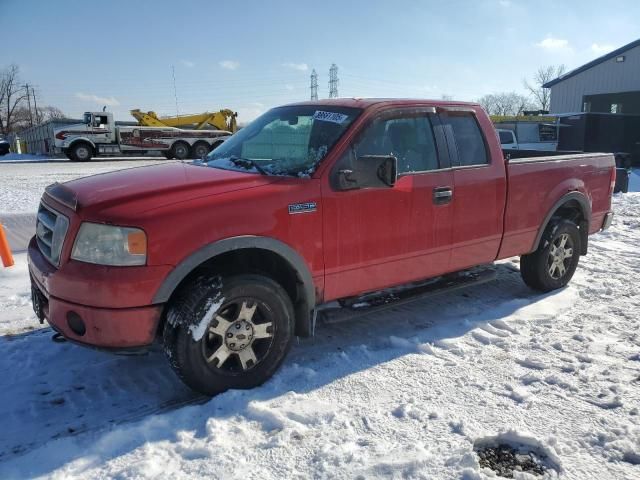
(409, 139)
(468, 138)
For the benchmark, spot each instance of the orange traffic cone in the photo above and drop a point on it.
(5, 250)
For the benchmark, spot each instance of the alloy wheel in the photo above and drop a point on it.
(560, 256)
(239, 337)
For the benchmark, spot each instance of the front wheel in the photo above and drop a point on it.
(224, 333)
(555, 261)
(80, 152)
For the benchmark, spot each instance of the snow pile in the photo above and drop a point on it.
(404, 393)
(16, 314)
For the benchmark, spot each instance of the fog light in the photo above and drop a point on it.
(76, 324)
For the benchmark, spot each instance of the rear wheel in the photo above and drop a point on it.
(80, 152)
(228, 333)
(180, 150)
(167, 154)
(555, 261)
(200, 150)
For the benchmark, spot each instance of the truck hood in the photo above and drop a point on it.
(147, 188)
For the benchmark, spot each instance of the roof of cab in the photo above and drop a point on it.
(368, 102)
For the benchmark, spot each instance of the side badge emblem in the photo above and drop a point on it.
(306, 207)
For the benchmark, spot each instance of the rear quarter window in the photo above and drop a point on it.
(468, 139)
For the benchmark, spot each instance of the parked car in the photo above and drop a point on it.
(507, 139)
(4, 147)
(528, 135)
(312, 205)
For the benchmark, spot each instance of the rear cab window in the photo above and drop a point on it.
(465, 138)
(505, 137)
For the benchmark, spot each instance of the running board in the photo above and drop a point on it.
(350, 308)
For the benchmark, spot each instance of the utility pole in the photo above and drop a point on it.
(314, 85)
(35, 106)
(175, 92)
(333, 81)
(29, 105)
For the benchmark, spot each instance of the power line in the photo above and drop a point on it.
(175, 92)
(314, 85)
(333, 81)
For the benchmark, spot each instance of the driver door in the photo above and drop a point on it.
(375, 238)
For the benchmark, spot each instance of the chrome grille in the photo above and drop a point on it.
(51, 229)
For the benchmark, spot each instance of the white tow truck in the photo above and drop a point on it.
(98, 135)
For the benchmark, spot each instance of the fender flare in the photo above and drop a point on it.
(288, 254)
(81, 139)
(585, 205)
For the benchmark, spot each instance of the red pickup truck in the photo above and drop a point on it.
(226, 259)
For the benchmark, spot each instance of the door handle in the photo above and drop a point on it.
(442, 195)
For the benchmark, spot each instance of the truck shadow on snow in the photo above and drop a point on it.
(57, 391)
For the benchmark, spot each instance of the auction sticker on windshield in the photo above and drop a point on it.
(334, 117)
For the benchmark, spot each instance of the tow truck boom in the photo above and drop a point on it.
(224, 119)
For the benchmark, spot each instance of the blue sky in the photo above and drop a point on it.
(251, 55)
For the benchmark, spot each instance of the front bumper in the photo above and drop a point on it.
(92, 325)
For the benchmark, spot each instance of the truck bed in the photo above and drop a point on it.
(535, 183)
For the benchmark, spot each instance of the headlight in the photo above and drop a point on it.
(110, 245)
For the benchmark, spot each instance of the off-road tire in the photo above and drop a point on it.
(535, 267)
(186, 311)
(200, 150)
(76, 152)
(180, 150)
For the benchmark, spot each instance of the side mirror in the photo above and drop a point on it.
(369, 171)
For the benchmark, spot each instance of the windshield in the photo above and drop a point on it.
(87, 118)
(284, 141)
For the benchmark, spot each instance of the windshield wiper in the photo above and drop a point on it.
(247, 162)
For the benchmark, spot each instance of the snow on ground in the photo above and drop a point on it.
(23, 183)
(405, 393)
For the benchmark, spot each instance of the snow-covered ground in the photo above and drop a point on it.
(405, 393)
(24, 182)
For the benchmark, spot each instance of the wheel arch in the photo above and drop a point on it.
(216, 142)
(261, 254)
(75, 141)
(180, 140)
(572, 206)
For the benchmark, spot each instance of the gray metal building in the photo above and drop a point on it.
(609, 84)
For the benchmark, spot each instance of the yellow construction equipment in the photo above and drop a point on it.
(222, 120)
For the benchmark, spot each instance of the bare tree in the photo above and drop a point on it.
(505, 103)
(12, 94)
(542, 95)
(49, 113)
(446, 97)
